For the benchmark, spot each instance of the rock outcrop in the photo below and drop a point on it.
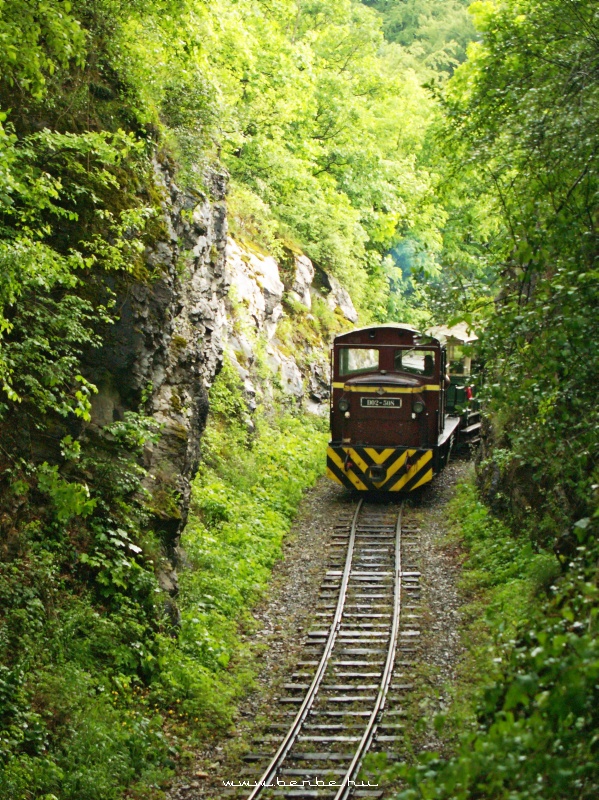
(256, 318)
(302, 280)
(338, 297)
(166, 346)
(255, 284)
(208, 295)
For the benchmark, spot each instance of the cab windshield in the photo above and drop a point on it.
(355, 360)
(416, 362)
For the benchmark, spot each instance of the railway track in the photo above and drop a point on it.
(345, 696)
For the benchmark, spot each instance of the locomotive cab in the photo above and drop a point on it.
(389, 429)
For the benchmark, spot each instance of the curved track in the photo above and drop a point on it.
(341, 690)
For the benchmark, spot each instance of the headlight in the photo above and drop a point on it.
(418, 407)
(344, 404)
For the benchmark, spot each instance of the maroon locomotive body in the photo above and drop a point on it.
(389, 427)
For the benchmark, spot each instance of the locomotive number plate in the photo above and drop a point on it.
(380, 402)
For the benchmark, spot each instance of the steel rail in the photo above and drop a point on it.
(287, 743)
(345, 789)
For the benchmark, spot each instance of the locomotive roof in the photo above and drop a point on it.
(389, 325)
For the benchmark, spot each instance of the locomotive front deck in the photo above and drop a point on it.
(389, 430)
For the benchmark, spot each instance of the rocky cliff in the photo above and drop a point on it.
(272, 334)
(210, 296)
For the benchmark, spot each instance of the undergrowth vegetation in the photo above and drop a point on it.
(244, 499)
(97, 693)
(524, 718)
(79, 613)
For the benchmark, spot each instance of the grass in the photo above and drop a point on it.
(244, 500)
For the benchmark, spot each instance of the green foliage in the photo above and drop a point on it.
(251, 219)
(327, 322)
(319, 123)
(79, 613)
(69, 499)
(522, 119)
(522, 125)
(37, 39)
(226, 399)
(80, 605)
(106, 745)
(437, 32)
(334, 146)
(58, 221)
(534, 731)
(244, 499)
(70, 724)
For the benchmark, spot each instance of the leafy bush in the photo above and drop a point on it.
(244, 499)
(530, 727)
(522, 121)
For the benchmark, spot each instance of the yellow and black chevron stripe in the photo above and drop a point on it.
(386, 469)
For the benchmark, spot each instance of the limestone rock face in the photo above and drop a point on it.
(207, 294)
(166, 347)
(254, 314)
(254, 311)
(255, 284)
(338, 297)
(302, 280)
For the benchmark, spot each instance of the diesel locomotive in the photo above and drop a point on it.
(390, 430)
